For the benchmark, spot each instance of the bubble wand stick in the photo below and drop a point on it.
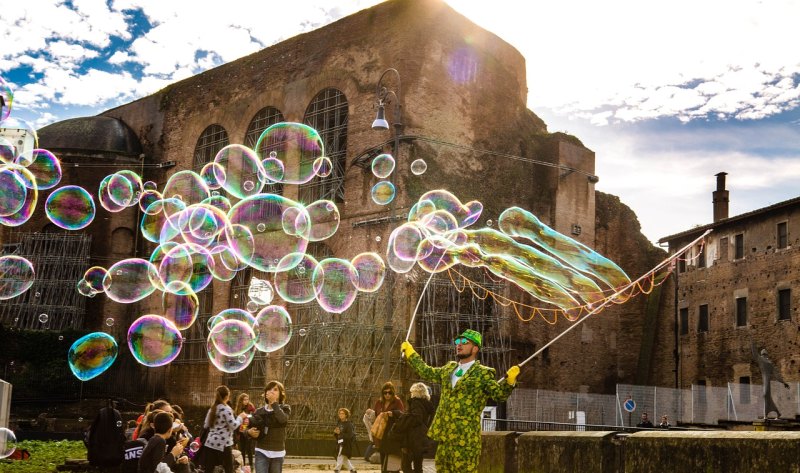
(613, 296)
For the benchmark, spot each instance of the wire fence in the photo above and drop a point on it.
(697, 405)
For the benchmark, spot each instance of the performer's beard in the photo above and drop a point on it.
(463, 356)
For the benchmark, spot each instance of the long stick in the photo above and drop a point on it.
(421, 294)
(611, 298)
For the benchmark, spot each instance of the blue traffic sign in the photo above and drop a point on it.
(630, 405)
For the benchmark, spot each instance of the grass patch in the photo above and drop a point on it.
(45, 456)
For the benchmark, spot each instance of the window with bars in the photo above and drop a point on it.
(213, 139)
(265, 118)
(327, 113)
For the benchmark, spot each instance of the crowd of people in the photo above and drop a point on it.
(245, 439)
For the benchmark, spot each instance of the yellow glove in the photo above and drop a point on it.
(407, 350)
(511, 375)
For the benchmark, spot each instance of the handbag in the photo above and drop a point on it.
(379, 427)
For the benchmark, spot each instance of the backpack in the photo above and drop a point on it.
(133, 451)
(106, 438)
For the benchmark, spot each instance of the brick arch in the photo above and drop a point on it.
(262, 120)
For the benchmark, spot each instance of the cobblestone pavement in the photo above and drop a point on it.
(317, 464)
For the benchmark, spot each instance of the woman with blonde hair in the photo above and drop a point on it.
(418, 419)
(240, 437)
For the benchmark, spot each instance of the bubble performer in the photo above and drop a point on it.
(466, 386)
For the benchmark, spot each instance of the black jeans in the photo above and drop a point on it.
(410, 458)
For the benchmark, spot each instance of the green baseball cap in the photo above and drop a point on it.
(473, 336)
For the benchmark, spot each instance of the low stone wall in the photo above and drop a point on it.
(712, 452)
(642, 452)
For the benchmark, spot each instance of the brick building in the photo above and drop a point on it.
(463, 94)
(738, 288)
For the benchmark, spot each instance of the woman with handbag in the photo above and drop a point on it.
(388, 408)
(221, 423)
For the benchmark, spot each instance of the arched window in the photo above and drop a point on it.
(327, 113)
(265, 118)
(213, 139)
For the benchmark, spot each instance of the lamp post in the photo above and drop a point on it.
(385, 97)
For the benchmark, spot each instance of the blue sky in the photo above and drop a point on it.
(667, 94)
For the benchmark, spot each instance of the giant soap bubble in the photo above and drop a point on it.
(91, 355)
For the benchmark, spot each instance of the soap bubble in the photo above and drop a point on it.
(274, 328)
(119, 423)
(382, 166)
(287, 363)
(130, 280)
(44, 166)
(110, 322)
(60, 338)
(370, 270)
(91, 355)
(489, 223)
(334, 282)
(295, 286)
(232, 337)
(293, 143)
(229, 364)
(180, 309)
(302, 332)
(323, 218)
(8, 100)
(13, 190)
(16, 276)
(260, 291)
(324, 166)
(18, 204)
(243, 175)
(94, 277)
(70, 207)
(194, 447)
(383, 192)
(154, 340)
(43, 318)
(418, 167)
(8, 441)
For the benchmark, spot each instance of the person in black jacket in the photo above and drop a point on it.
(416, 423)
(155, 451)
(345, 435)
(269, 429)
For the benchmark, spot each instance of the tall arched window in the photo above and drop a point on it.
(213, 139)
(327, 113)
(265, 118)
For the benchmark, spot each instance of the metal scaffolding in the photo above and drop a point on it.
(60, 260)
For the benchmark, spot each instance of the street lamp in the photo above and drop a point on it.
(385, 97)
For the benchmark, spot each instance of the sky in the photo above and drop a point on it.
(667, 94)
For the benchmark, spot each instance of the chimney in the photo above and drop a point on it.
(720, 198)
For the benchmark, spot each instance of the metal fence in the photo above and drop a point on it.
(698, 405)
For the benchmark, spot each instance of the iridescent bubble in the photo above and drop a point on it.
(274, 169)
(104, 196)
(191, 188)
(16, 276)
(181, 309)
(43, 318)
(378, 238)
(232, 314)
(13, 190)
(383, 192)
(287, 363)
(70, 207)
(382, 166)
(371, 271)
(157, 216)
(214, 175)
(120, 189)
(150, 185)
(334, 282)
(261, 227)
(229, 364)
(296, 286)
(464, 214)
(243, 175)
(91, 355)
(297, 146)
(260, 291)
(147, 197)
(489, 223)
(85, 289)
(130, 280)
(262, 250)
(119, 423)
(60, 338)
(324, 219)
(232, 337)
(418, 167)
(8, 152)
(45, 167)
(324, 166)
(8, 441)
(226, 263)
(302, 332)
(251, 307)
(110, 322)
(274, 328)
(7, 95)
(29, 197)
(189, 264)
(194, 447)
(154, 340)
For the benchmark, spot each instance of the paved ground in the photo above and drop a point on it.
(316, 464)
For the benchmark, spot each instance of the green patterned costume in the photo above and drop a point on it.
(457, 423)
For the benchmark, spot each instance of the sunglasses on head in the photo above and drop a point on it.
(460, 341)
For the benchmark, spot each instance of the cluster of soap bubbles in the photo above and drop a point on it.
(383, 166)
(551, 267)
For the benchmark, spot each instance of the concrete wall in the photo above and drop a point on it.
(643, 452)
